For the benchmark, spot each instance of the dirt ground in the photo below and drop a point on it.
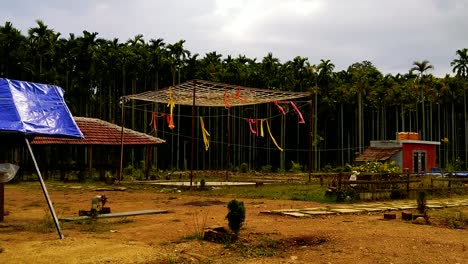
(27, 234)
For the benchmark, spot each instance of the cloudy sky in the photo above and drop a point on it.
(392, 34)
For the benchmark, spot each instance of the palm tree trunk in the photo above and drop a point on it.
(466, 127)
(342, 135)
(360, 123)
(423, 130)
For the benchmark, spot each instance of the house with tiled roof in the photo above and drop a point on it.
(100, 147)
(410, 154)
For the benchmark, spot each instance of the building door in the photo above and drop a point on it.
(419, 161)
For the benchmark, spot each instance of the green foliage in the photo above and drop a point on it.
(299, 192)
(243, 168)
(280, 170)
(266, 247)
(266, 168)
(136, 173)
(346, 195)
(422, 201)
(455, 165)
(377, 167)
(295, 167)
(456, 219)
(236, 215)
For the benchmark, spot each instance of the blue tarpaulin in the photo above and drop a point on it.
(35, 109)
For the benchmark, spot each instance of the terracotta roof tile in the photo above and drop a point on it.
(377, 154)
(99, 132)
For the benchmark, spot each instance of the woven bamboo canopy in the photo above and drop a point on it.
(215, 94)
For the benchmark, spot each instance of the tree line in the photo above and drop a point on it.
(347, 108)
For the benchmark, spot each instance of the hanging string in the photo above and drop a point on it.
(226, 99)
(171, 104)
(154, 121)
(272, 138)
(279, 107)
(237, 95)
(253, 122)
(261, 127)
(205, 133)
(301, 121)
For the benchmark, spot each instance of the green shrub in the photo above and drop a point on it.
(422, 201)
(244, 167)
(346, 195)
(236, 215)
(266, 168)
(295, 167)
(456, 220)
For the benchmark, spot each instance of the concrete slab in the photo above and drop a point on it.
(435, 206)
(346, 210)
(113, 215)
(315, 212)
(285, 210)
(384, 208)
(452, 204)
(370, 209)
(406, 207)
(295, 214)
(315, 209)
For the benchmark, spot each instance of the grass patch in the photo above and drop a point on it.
(262, 245)
(299, 192)
(98, 225)
(34, 204)
(451, 218)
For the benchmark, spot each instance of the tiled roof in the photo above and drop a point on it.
(377, 154)
(99, 132)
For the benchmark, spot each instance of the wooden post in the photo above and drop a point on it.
(193, 135)
(339, 180)
(432, 186)
(311, 127)
(2, 201)
(228, 154)
(450, 185)
(147, 160)
(90, 159)
(407, 185)
(120, 176)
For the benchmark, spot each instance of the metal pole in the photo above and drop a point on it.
(311, 127)
(120, 176)
(193, 136)
(44, 190)
(2, 201)
(228, 154)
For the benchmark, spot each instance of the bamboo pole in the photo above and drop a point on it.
(193, 135)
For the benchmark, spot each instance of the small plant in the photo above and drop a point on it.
(236, 215)
(202, 184)
(199, 225)
(109, 178)
(244, 167)
(456, 220)
(266, 169)
(295, 167)
(280, 170)
(422, 202)
(346, 195)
